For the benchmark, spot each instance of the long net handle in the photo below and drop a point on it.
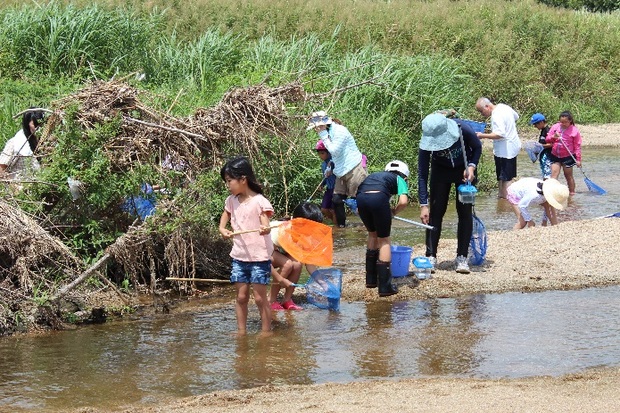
(463, 146)
(432, 228)
(315, 190)
(570, 153)
(247, 231)
(464, 152)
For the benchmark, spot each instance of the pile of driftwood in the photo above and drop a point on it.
(237, 124)
(238, 121)
(28, 254)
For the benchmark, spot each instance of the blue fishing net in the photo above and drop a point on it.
(592, 187)
(478, 242)
(352, 204)
(324, 287)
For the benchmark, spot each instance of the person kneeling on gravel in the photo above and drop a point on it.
(550, 194)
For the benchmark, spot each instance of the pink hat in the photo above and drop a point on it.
(320, 146)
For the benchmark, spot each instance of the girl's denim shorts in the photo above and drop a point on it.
(250, 272)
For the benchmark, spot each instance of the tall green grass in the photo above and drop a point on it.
(534, 57)
(67, 41)
(523, 53)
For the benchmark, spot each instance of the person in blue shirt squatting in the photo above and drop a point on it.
(373, 203)
(347, 160)
(441, 149)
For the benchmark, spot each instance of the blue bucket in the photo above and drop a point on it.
(476, 126)
(401, 256)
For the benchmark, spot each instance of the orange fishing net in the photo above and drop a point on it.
(307, 241)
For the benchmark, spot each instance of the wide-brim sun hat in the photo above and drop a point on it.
(318, 119)
(438, 132)
(555, 193)
(537, 117)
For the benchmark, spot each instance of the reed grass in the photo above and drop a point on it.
(65, 41)
(523, 53)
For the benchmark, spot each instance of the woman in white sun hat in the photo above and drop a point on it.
(347, 159)
(441, 149)
(550, 194)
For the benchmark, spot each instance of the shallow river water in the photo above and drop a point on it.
(491, 336)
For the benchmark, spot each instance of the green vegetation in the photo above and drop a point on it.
(389, 64)
(590, 5)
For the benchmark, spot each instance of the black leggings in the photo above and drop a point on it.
(441, 183)
(375, 212)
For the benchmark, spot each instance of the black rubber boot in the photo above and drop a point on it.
(341, 215)
(384, 274)
(371, 268)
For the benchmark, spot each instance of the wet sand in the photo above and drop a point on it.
(594, 391)
(571, 255)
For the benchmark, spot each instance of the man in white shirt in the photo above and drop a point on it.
(506, 142)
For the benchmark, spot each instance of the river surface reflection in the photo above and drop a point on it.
(486, 336)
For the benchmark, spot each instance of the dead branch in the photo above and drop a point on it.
(83, 277)
(152, 125)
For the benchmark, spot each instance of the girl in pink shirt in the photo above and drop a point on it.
(247, 209)
(566, 150)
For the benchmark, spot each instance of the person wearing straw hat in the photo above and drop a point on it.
(550, 194)
(506, 142)
(441, 149)
(347, 159)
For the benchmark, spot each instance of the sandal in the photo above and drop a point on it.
(290, 305)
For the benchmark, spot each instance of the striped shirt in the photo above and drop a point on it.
(342, 147)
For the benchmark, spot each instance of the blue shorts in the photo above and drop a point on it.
(250, 272)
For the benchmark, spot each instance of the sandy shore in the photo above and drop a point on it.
(560, 257)
(603, 135)
(571, 255)
(594, 391)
